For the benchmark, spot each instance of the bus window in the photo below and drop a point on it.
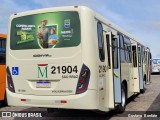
(108, 50)
(2, 60)
(127, 44)
(2, 45)
(130, 53)
(100, 41)
(150, 55)
(121, 42)
(139, 56)
(115, 52)
(134, 56)
(2, 51)
(144, 56)
(122, 52)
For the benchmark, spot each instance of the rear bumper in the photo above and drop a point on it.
(87, 100)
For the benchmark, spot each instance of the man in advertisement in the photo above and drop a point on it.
(43, 34)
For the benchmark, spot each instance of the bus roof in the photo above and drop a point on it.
(3, 35)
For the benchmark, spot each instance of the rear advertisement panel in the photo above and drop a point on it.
(45, 30)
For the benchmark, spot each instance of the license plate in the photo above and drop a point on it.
(43, 85)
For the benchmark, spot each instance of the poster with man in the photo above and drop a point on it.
(46, 31)
(43, 34)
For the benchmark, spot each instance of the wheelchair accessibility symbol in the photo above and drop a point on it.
(15, 70)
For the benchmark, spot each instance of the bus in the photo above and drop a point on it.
(155, 65)
(3, 69)
(73, 58)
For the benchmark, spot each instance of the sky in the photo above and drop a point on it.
(140, 18)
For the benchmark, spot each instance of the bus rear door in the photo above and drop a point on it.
(140, 66)
(135, 73)
(114, 69)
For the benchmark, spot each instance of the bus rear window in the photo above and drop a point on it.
(45, 30)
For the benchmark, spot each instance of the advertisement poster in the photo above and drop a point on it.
(45, 30)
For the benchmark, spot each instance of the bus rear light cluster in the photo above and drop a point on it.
(25, 100)
(75, 6)
(83, 80)
(10, 81)
(63, 101)
(60, 101)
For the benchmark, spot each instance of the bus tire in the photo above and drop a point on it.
(122, 106)
(143, 90)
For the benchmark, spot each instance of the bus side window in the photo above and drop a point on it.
(2, 60)
(127, 47)
(139, 56)
(115, 52)
(2, 51)
(134, 56)
(130, 53)
(108, 51)
(100, 41)
(122, 52)
(3, 44)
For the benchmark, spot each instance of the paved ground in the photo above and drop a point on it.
(137, 105)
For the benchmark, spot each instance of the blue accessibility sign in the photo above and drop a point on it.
(15, 70)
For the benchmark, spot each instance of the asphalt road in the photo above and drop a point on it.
(147, 104)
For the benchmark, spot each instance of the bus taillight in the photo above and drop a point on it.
(75, 6)
(83, 80)
(10, 81)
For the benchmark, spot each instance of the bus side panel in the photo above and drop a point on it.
(2, 90)
(136, 80)
(2, 81)
(2, 73)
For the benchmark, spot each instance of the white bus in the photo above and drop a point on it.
(72, 58)
(155, 65)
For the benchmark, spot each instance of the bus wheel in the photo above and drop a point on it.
(122, 106)
(144, 82)
(142, 90)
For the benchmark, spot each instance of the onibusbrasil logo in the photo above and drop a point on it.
(42, 70)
